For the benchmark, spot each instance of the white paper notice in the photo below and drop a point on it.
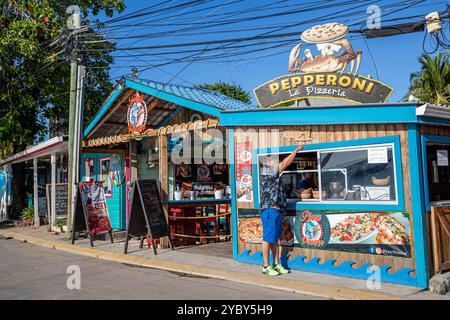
(377, 155)
(442, 158)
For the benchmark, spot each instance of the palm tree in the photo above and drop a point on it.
(432, 83)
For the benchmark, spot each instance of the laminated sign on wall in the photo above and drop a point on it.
(377, 155)
(244, 178)
(442, 158)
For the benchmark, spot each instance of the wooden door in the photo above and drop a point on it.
(440, 235)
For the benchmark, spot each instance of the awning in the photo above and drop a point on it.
(40, 150)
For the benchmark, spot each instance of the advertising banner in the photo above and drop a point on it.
(378, 233)
(244, 178)
(93, 197)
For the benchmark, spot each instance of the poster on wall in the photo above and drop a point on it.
(244, 178)
(377, 233)
(93, 197)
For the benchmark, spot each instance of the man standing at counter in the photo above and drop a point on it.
(273, 203)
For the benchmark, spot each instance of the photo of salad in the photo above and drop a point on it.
(353, 229)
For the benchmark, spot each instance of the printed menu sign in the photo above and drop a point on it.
(96, 210)
(244, 177)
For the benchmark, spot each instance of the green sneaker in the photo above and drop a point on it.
(280, 269)
(270, 271)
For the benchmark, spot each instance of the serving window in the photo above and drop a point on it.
(438, 171)
(360, 174)
(201, 171)
(350, 175)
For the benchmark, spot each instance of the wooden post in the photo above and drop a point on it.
(133, 161)
(164, 178)
(35, 192)
(53, 189)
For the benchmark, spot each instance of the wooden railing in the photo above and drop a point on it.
(440, 233)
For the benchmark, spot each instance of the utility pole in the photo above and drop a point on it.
(78, 121)
(73, 23)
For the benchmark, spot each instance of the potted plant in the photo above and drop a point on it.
(59, 225)
(28, 216)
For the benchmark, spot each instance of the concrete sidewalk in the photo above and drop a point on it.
(184, 261)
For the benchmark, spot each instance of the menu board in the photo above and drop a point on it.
(244, 177)
(60, 199)
(153, 209)
(147, 216)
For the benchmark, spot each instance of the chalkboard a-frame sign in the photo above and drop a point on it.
(147, 216)
(85, 220)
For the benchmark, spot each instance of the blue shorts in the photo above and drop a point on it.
(272, 222)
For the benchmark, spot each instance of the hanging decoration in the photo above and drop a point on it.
(117, 168)
(137, 113)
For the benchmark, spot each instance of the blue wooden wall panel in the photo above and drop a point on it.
(116, 203)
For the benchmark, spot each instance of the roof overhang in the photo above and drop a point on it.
(170, 99)
(323, 115)
(433, 111)
(40, 150)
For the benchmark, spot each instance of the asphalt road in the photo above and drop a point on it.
(32, 272)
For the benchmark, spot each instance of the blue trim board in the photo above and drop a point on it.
(418, 206)
(255, 178)
(109, 101)
(316, 116)
(424, 140)
(433, 121)
(344, 269)
(166, 120)
(234, 217)
(395, 140)
(174, 99)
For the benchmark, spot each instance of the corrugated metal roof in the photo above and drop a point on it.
(203, 96)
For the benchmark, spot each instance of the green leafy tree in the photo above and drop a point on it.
(432, 83)
(231, 90)
(34, 79)
(35, 75)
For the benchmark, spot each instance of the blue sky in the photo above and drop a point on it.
(395, 57)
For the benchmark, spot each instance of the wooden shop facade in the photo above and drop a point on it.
(150, 130)
(362, 195)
